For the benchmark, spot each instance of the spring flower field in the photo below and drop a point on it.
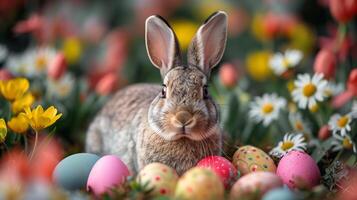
(286, 86)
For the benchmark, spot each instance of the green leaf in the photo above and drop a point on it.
(321, 151)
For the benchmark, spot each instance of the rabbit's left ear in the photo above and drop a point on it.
(207, 47)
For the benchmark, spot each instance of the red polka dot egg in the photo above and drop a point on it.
(249, 159)
(199, 184)
(160, 177)
(222, 167)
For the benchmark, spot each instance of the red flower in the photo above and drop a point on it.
(275, 24)
(325, 63)
(57, 67)
(343, 10)
(5, 75)
(47, 156)
(107, 84)
(352, 82)
(228, 75)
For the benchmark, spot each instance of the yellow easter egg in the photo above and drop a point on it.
(252, 159)
(161, 178)
(199, 184)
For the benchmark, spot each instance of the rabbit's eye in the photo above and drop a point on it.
(163, 91)
(205, 92)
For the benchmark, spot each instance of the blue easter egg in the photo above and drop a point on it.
(280, 194)
(73, 171)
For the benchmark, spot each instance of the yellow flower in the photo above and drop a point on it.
(72, 49)
(185, 30)
(18, 124)
(39, 118)
(14, 88)
(258, 29)
(302, 38)
(3, 130)
(25, 101)
(257, 64)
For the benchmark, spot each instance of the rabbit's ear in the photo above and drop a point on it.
(161, 44)
(207, 47)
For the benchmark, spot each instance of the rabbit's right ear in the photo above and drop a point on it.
(207, 47)
(161, 44)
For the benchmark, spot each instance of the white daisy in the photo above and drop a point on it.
(341, 123)
(298, 123)
(308, 90)
(60, 88)
(343, 142)
(3, 53)
(19, 65)
(291, 141)
(280, 62)
(333, 89)
(266, 108)
(40, 58)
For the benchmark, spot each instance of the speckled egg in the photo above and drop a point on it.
(199, 184)
(255, 184)
(251, 159)
(297, 169)
(160, 177)
(280, 194)
(73, 171)
(108, 172)
(222, 167)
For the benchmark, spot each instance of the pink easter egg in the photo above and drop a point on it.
(108, 172)
(255, 183)
(298, 170)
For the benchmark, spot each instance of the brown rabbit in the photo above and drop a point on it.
(176, 123)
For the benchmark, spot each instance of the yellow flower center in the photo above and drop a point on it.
(314, 108)
(346, 143)
(342, 122)
(285, 63)
(287, 145)
(309, 90)
(41, 62)
(299, 126)
(267, 108)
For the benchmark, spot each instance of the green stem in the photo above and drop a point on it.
(34, 146)
(342, 31)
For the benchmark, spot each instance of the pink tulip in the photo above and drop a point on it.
(107, 84)
(325, 63)
(32, 24)
(352, 82)
(347, 95)
(228, 75)
(343, 10)
(324, 132)
(57, 67)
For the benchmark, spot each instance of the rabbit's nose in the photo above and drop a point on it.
(183, 117)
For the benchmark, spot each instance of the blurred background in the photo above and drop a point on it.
(99, 47)
(77, 53)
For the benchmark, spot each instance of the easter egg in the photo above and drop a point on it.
(160, 177)
(298, 170)
(280, 194)
(251, 159)
(199, 184)
(223, 168)
(108, 172)
(73, 171)
(255, 184)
